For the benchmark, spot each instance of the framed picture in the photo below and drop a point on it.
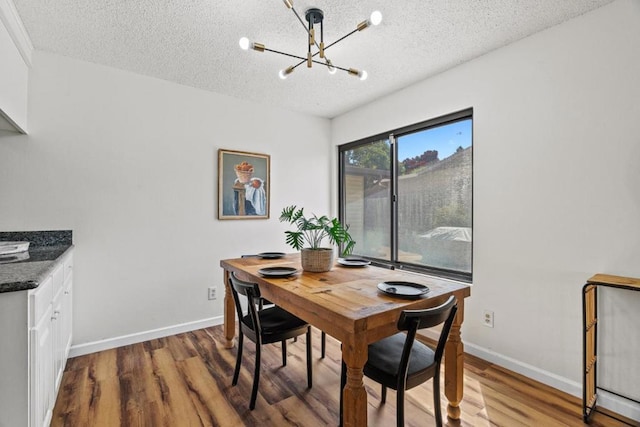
(243, 185)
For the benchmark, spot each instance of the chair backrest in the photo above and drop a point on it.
(428, 317)
(412, 320)
(251, 291)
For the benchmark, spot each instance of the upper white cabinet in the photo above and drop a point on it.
(15, 57)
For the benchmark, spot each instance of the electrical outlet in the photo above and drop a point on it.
(212, 292)
(487, 319)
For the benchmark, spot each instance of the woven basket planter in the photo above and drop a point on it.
(316, 260)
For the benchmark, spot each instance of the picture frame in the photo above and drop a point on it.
(243, 185)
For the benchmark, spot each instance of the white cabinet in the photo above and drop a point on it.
(50, 339)
(35, 331)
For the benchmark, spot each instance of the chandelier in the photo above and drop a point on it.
(314, 18)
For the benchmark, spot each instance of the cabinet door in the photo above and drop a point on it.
(67, 320)
(41, 371)
(67, 306)
(61, 328)
(57, 327)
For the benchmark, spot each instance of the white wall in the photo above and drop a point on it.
(129, 163)
(556, 186)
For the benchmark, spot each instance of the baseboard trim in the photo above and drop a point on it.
(606, 400)
(92, 347)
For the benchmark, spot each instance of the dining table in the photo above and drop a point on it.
(347, 304)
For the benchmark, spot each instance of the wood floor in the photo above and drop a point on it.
(185, 380)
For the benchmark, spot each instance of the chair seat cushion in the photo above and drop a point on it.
(384, 359)
(275, 320)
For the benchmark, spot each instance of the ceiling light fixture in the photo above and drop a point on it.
(315, 16)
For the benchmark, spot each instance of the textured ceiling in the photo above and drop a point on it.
(195, 42)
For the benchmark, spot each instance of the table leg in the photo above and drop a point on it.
(229, 313)
(454, 365)
(354, 355)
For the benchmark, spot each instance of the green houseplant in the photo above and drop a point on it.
(310, 232)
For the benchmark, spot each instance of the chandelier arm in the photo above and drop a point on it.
(299, 57)
(293, 67)
(328, 66)
(340, 39)
(332, 66)
(285, 54)
(303, 60)
(266, 49)
(300, 19)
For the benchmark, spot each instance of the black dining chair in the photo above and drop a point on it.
(265, 326)
(260, 301)
(400, 362)
(263, 301)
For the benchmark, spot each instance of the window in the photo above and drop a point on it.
(407, 196)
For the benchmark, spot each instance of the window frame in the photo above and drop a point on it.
(391, 136)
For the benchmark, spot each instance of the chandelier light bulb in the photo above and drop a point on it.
(244, 43)
(375, 18)
(331, 68)
(363, 75)
(285, 73)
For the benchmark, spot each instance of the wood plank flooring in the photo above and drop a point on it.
(185, 380)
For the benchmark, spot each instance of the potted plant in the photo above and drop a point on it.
(310, 233)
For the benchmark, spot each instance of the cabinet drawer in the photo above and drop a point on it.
(40, 300)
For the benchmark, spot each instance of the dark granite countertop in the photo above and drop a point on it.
(26, 270)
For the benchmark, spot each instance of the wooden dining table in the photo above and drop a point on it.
(347, 304)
